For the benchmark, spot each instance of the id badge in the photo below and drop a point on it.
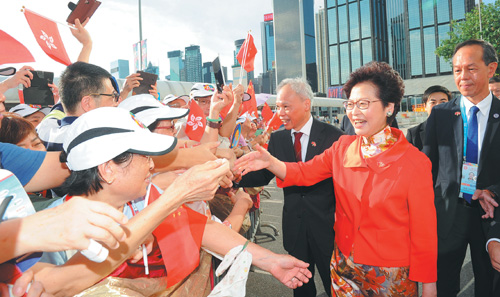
(469, 178)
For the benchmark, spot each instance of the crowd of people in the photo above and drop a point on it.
(124, 197)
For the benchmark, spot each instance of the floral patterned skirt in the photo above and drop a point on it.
(357, 280)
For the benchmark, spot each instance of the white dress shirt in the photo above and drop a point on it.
(304, 140)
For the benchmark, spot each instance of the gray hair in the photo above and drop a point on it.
(299, 85)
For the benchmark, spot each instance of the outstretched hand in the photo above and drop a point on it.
(290, 271)
(256, 160)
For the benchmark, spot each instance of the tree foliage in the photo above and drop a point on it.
(469, 29)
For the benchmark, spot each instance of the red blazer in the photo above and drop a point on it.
(385, 210)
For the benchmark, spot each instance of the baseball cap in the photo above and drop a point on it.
(202, 90)
(25, 110)
(171, 97)
(102, 134)
(149, 110)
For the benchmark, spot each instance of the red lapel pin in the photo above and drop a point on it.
(457, 113)
(313, 143)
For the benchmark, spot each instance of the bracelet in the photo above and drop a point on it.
(214, 120)
(245, 246)
(215, 125)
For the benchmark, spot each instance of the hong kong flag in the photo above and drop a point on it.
(47, 36)
(196, 120)
(13, 51)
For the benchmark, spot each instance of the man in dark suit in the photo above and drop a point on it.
(348, 129)
(433, 96)
(463, 134)
(308, 212)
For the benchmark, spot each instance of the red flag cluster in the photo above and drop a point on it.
(246, 55)
(250, 105)
(271, 119)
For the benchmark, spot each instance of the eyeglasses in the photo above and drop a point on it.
(115, 95)
(361, 104)
(202, 102)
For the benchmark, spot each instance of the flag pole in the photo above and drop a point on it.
(244, 56)
(60, 23)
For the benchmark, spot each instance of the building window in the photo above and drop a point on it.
(443, 34)
(416, 53)
(332, 26)
(458, 9)
(427, 12)
(340, 2)
(414, 14)
(430, 48)
(344, 62)
(334, 66)
(330, 3)
(443, 11)
(343, 24)
(355, 55)
(365, 18)
(353, 21)
(367, 51)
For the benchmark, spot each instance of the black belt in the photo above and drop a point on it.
(473, 204)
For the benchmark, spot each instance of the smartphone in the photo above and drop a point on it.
(148, 79)
(82, 10)
(39, 93)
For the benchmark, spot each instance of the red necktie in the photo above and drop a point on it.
(297, 146)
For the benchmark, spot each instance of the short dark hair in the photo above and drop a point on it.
(88, 181)
(494, 79)
(389, 83)
(15, 128)
(489, 53)
(78, 80)
(435, 89)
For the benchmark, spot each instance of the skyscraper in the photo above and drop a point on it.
(294, 40)
(193, 63)
(267, 33)
(177, 71)
(120, 68)
(208, 73)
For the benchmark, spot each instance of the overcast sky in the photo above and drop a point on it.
(166, 24)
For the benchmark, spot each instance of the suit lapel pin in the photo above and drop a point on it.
(457, 113)
(314, 143)
(496, 115)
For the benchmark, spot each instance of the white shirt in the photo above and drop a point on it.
(304, 140)
(482, 118)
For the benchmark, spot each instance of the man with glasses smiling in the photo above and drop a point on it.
(83, 87)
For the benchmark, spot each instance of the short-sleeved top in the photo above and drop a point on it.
(23, 163)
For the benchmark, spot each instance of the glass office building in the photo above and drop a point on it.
(416, 29)
(267, 33)
(177, 71)
(357, 34)
(192, 63)
(120, 68)
(404, 33)
(294, 40)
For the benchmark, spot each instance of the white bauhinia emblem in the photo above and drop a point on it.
(195, 122)
(48, 40)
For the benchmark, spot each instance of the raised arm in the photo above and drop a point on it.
(83, 36)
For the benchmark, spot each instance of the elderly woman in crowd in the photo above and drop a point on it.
(107, 151)
(385, 220)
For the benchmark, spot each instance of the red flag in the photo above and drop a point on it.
(196, 122)
(250, 105)
(47, 36)
(179, 238)
(21, 96)
(267, 113)
(275, 123)
(13, 51)
(249, 48)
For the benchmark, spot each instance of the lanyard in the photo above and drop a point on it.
(466, 124)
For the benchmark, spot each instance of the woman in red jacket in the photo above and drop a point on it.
(385, 220)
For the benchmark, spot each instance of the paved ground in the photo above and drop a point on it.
(261, 284)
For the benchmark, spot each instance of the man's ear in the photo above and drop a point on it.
(87, 103)
(307, 104)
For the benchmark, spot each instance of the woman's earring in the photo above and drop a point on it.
(389, 114)
(110, 182)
